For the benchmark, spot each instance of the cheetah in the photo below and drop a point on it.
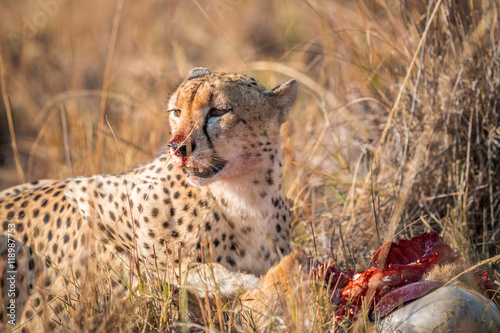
(213, 200)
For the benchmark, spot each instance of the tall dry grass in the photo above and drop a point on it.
(396, 130)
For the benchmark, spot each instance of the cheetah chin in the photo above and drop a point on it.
(216, 165)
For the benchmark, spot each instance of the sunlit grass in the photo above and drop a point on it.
(395, 132)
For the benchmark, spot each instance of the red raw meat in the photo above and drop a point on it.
(420, 249)
(395, 265)
(403, 294)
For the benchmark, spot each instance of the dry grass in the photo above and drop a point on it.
(396, 130)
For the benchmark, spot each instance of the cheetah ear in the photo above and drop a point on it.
(197, 72)
(283, 97)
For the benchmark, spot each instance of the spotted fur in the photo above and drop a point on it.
(214, 200)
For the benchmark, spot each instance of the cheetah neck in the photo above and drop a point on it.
(250, 196)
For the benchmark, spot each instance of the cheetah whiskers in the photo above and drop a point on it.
(216, 162)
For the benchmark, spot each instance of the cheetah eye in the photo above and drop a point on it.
(176, 111)
(219, 111)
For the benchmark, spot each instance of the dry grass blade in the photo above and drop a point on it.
(306, 81)
(105, 84)
(5, 96)
(67, 145)
(402, 89)
(409, 177)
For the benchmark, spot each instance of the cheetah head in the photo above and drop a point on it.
(220, 122)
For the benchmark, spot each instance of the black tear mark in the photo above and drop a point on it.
(205, 131)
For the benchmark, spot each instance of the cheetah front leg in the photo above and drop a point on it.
(285, 292)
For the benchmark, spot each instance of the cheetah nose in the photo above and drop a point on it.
(182, 149)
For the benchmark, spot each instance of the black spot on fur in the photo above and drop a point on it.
(230, 261)
(269, 177)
